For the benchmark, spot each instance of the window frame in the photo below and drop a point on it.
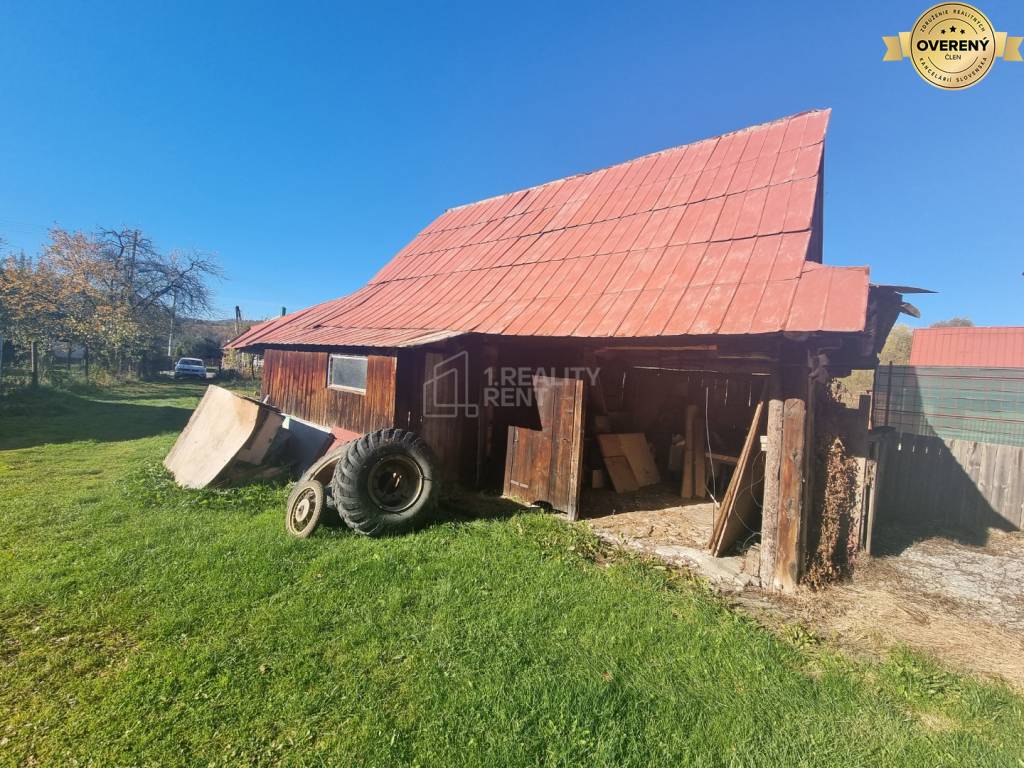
(340, 388)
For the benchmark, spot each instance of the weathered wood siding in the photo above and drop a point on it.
(296, 382)
(543, 464)
(446, 431)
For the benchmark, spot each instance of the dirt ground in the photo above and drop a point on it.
(654, 522)
(963, 604)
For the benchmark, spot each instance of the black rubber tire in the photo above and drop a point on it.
(301, 521)
(366, 462)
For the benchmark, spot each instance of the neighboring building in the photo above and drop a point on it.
(969, 347)
(690, 279)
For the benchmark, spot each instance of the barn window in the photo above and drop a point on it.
(347, 372)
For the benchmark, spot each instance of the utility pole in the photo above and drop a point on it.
(170, 335)
(130, 286)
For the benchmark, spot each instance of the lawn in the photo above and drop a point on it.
(141, 624)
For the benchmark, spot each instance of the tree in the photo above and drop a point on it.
(896, 349)
(113, 293)
(28, 292)
(954, 322)
(125, 292)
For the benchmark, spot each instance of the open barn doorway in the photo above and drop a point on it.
(674, 456)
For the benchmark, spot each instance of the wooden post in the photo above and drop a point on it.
(888, 394)
(772, 464)
(700, 483)
(878, 451)
(34, 361)
(793, 478)
(688, 452)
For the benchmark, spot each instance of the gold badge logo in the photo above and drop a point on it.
(952, 46)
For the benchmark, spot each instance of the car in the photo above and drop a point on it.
(190, 367)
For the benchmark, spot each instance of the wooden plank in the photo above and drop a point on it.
(723, 458)
(738, 510)
(576, 474)
(564, 471)
(1015, 492)
(687, 487)
(878, 449)
(510, 461)
(542, 444)
(623, 480)
(610, 445)
(700, 481)
(638, 454)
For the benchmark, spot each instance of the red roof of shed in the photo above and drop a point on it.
(715, 237)
(968, 347)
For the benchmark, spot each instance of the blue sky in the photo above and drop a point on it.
(304, 144)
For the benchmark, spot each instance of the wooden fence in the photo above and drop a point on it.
(932, 483)
(951, 451)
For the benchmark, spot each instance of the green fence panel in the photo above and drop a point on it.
(980, 404)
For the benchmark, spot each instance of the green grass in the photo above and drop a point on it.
(141, 624)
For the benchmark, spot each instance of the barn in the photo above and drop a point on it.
(680, 297)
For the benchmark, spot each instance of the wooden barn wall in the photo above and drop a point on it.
(451, 435)
(296, 382)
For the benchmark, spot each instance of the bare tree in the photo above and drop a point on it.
(144, 278)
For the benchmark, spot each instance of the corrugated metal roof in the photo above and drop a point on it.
(713, 237)
(995, 347)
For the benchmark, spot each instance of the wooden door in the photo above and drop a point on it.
(544, 464)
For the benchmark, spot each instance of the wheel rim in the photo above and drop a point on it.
(395, 484)
(303, 510)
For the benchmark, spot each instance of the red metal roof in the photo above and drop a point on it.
(968, 347)
(715, 237)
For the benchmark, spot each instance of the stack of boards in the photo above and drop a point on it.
(629, 462)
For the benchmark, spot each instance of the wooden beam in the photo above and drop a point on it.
(793, 478)
(770, 502)
(738, 507)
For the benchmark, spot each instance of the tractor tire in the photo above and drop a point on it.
(305, 505)
(387, 483)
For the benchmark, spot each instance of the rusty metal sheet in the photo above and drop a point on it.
(996, 347)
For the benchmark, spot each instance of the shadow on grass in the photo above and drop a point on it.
(164, 388)
(47, 416)
(460, 505)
